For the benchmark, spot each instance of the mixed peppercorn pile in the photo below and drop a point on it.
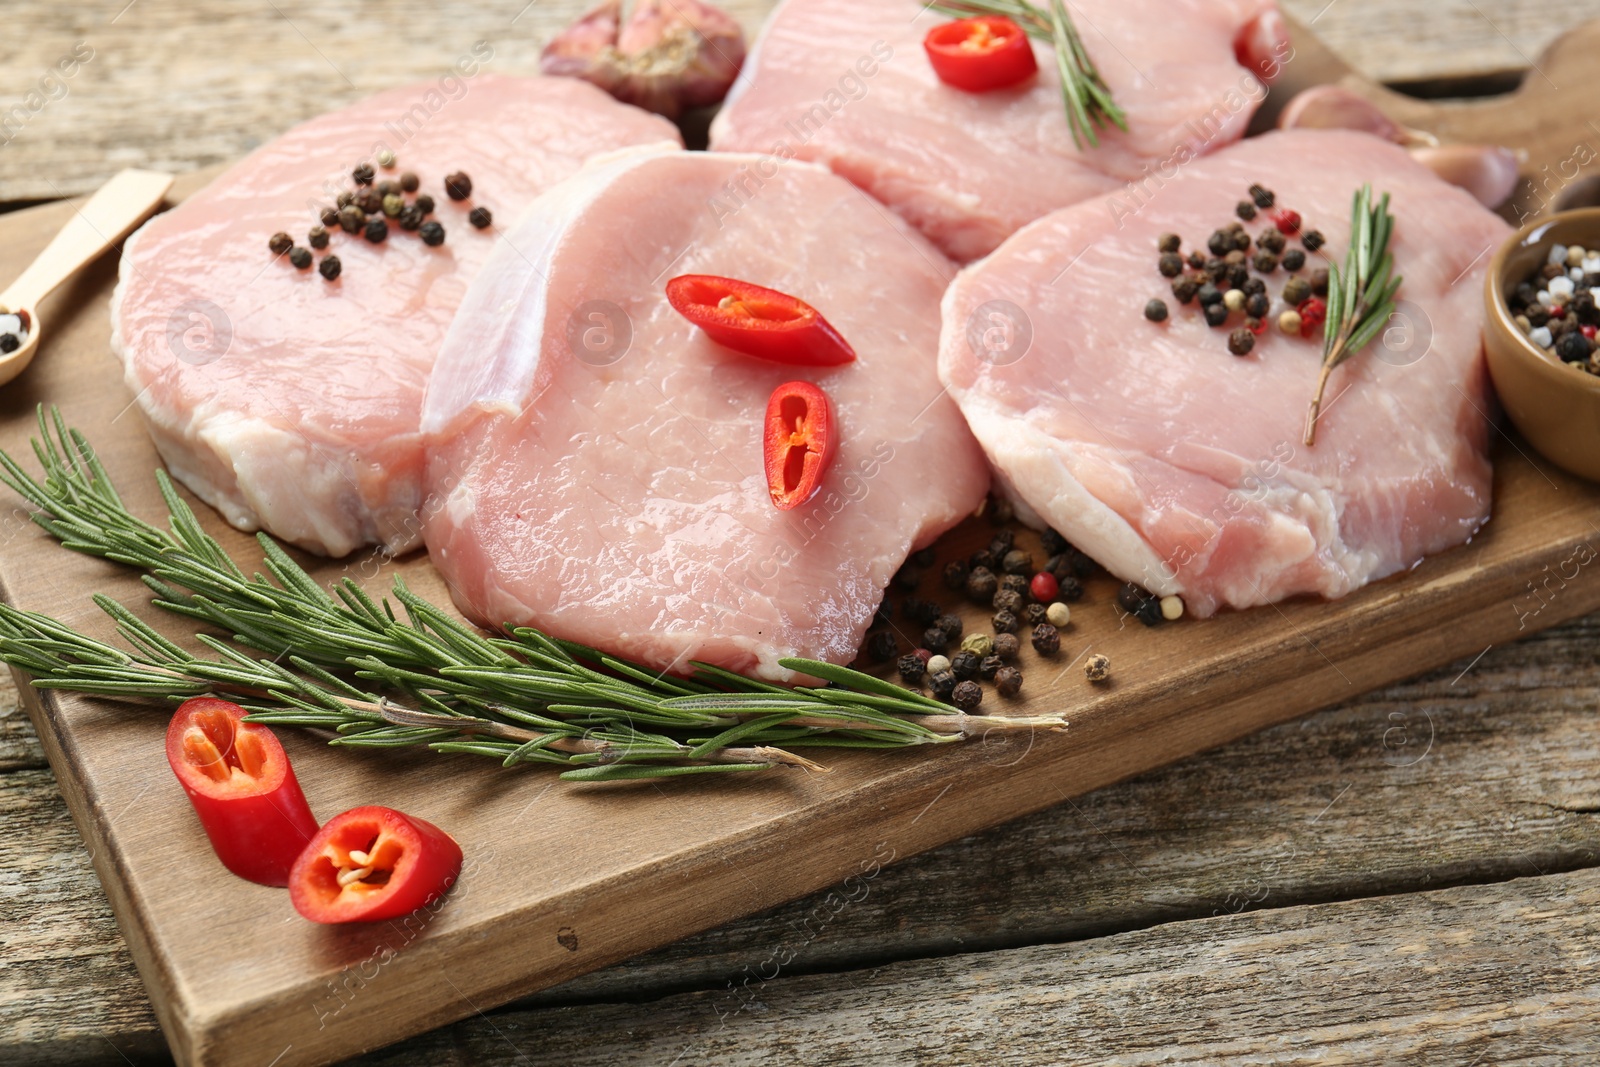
(1028, 602)
(1220, 284)
(13, 330)
(368, 208)
(1555, 307)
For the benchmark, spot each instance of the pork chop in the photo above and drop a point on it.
(846, 83)
(598, 459)
(289, 402)
(1181, 467)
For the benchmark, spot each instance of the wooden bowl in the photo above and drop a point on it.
(1556, 406)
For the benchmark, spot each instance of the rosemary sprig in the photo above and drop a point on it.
(1361, 297)
(1088, 101)
(395, 673)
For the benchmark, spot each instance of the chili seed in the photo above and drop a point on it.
(982, 584)
(979, 645)
(317, 237)
(432, 234)
(1006, 645)
(1256, 305)
(280, 243)
(1241, 341)
(955, 575)
(1185, 289)
(410, 218)
(1313, 240)
(881, 646)
(1046, 639)
(1216, 314)
(1245, 210)
(300, 257)
(1296, 291)
(1058, 614)
(967, 695)
(950, 624)
(935, 639)
(943, 683)
(1156, 311)
(1294, 259)
(330, 267)
(363, 174)
(1005, 622)
(911, 667)
(1170, 265)
(1008, 681)
(457, 186)
(480, 217)
(1008, 600)
(964, 665)
(377, 230)
(393, 205)
(1263, 197)
(1097, 668)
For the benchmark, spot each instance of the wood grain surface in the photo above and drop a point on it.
(181, 84)
(1332, 807)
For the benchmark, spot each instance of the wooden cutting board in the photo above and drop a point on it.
(562, 879)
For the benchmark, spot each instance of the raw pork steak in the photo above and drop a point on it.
(846, 83)
(598, 459)
(1182, 467)
(290, 402)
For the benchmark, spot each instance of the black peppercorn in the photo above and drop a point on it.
(330, 267)
(1006, 645)
(317, 237)
(1296, 291)
(1170, 265)
(1035, 614)
(967, 695)
(1265, 262)
(1015, 583)
(881, 646)
(408, 182)
(955, 575)
(925, 557)
(363, 174)
(1574, 347)
(345, 199)
(885, 613)
(1241, 341)
(1196, 260)
(1053, 543)
(906, 579)
(480, 217)
(1069, 589)
(1216, 314)
(921, 612)
(1140, 604)
(410, 218)
(1241, 242)
(432, 234)
(1294, 259)
(1319, 282)
(1017, 562)
(1002, 542)
(964, 665)
(1245, 210)
(1252, 286)
(935, 639)
(1169, 242)
(990, 667)
(1209, 294)
(1312, 239)
(950, 625)
(300, 257)
(1219, 242)
(9, 343)
(424, 204)
(1005, 622)
(1272, 240)
(1538, 314)
(1046, 639)
(984, 558)
(387, 188)
(1008, 682)
(280, 243)
(457, 186)
(943, 683)
(329, 217)
(982, 584)
(352, 219)
(1256, 305)
(1263, 197)
(912, 667)
(369, 201)
(377, 230)
(1008, 600)
(1156, 311)
(1185, 289)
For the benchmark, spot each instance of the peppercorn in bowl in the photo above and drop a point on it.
(1542, 289)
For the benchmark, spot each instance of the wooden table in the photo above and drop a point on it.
(1412, 877)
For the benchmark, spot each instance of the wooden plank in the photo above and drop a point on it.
(1500, 973)
(181, 84)
(1408, 788)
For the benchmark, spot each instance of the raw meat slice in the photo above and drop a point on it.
(290, 402)
(1181, 467)
(846, 83)
(597, 459)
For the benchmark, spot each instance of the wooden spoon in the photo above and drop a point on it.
(101, 222)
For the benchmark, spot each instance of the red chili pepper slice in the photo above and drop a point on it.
(980, 54)
(241, 785)
(799, 442)
(373, 863)
(758, 321)
(1313, 313)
